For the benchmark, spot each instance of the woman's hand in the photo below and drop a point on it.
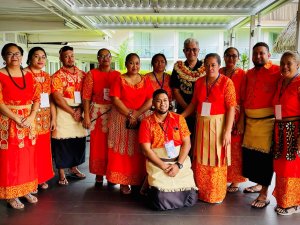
(27, 121)
(77, 115)
(18, 119)
(226, 138)
(86, 123)
(132, 122)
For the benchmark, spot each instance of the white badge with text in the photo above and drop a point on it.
(77, 97)
(171, 150)
(278, 112)
(45, 103)
(206, 107)
(106, 94)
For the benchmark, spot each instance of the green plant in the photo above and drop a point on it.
(244, 60)
(121, 54)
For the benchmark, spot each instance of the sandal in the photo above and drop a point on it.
(15, 203)
(260, 204)
(252, 189)
(76, 174)
(232, 189)
(30, 198)
(99, 180)
(125, 189)
(63, 181)
(35, 192)
(44, 186)
(288, 211)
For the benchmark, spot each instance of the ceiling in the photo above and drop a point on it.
(60, 21)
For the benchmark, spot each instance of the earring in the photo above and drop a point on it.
(4, 63)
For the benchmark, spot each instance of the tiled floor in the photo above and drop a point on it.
(81, 203)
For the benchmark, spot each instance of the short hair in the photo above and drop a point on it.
(65, 48)
(294, 55)
(158, 92)
(190, 40)
(213, 55)
(231, 48)
(32, 51)
(102, 49)
(261, 44)
(130, 55)
(157, 55)
(7, 46)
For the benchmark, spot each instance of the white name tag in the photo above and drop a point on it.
(171, 150)
(77, 97)
(278, 112)
(45, 103)
(106, 94)
(206, 107)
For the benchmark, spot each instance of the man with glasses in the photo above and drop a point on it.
(68, 140)
(183, 79)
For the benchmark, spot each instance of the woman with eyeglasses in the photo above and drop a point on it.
(236, 74)
(158, 77)
(46, 115)
(97, 106)
(19, 102)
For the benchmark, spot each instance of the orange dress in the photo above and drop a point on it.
(211, 159)
(94, 87)
(43, 146)
(161, 84)
(234, 172)
(18, 172)
(286, 154)
(126, 162)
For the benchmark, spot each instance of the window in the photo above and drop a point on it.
(182, 37)
(142, 42)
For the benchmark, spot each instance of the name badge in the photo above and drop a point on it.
(45, 103)
(206, 107)
(278, 112)
(77, 97)
(170, 148)
(106, 94)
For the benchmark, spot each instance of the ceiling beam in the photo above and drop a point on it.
(162, 26)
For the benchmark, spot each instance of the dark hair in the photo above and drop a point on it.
(32, 51)
(263, 44)
(102, 49)
(156, 56)
(7, 46)
(159, 91)
(130, 55)
(213, 55)
(231, 48)
(65, 48)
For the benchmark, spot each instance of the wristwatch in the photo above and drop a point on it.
(180, 166)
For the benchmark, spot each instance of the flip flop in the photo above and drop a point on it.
(231, 189)
(288, 211)
(76, 175)
(63, 181)
(251, 190)
(263, 202)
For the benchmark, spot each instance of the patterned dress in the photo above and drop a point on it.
(96, 89)
(210, 157)
(18, 171)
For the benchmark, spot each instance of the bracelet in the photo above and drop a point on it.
(130, 116)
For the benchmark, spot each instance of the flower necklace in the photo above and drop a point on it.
(186, 74)
(14, 82)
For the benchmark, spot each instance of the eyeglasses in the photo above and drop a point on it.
(104, 56)
(11, 54)
(191, 49)
(231, 56)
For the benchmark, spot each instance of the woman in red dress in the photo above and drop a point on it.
(19, 102)
(234, 172)
(132, 97)
(45, 121)
(214, 100)
(159, 79)
(287, 138)
(97, 106)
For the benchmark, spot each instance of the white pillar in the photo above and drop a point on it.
(259, 38)
(298, 29)
(252, 38)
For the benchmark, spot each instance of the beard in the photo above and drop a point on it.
(161, 112)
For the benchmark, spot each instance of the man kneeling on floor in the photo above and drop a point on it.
(165, 141)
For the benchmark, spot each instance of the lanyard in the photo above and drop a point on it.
(283, 90)
(231, 74)
(165, 130)
(208, 90)
(163, 80)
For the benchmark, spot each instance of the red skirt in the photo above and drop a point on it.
(18, 171)
(44, 158)
(234, 173)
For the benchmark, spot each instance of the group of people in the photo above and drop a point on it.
(234, 125)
